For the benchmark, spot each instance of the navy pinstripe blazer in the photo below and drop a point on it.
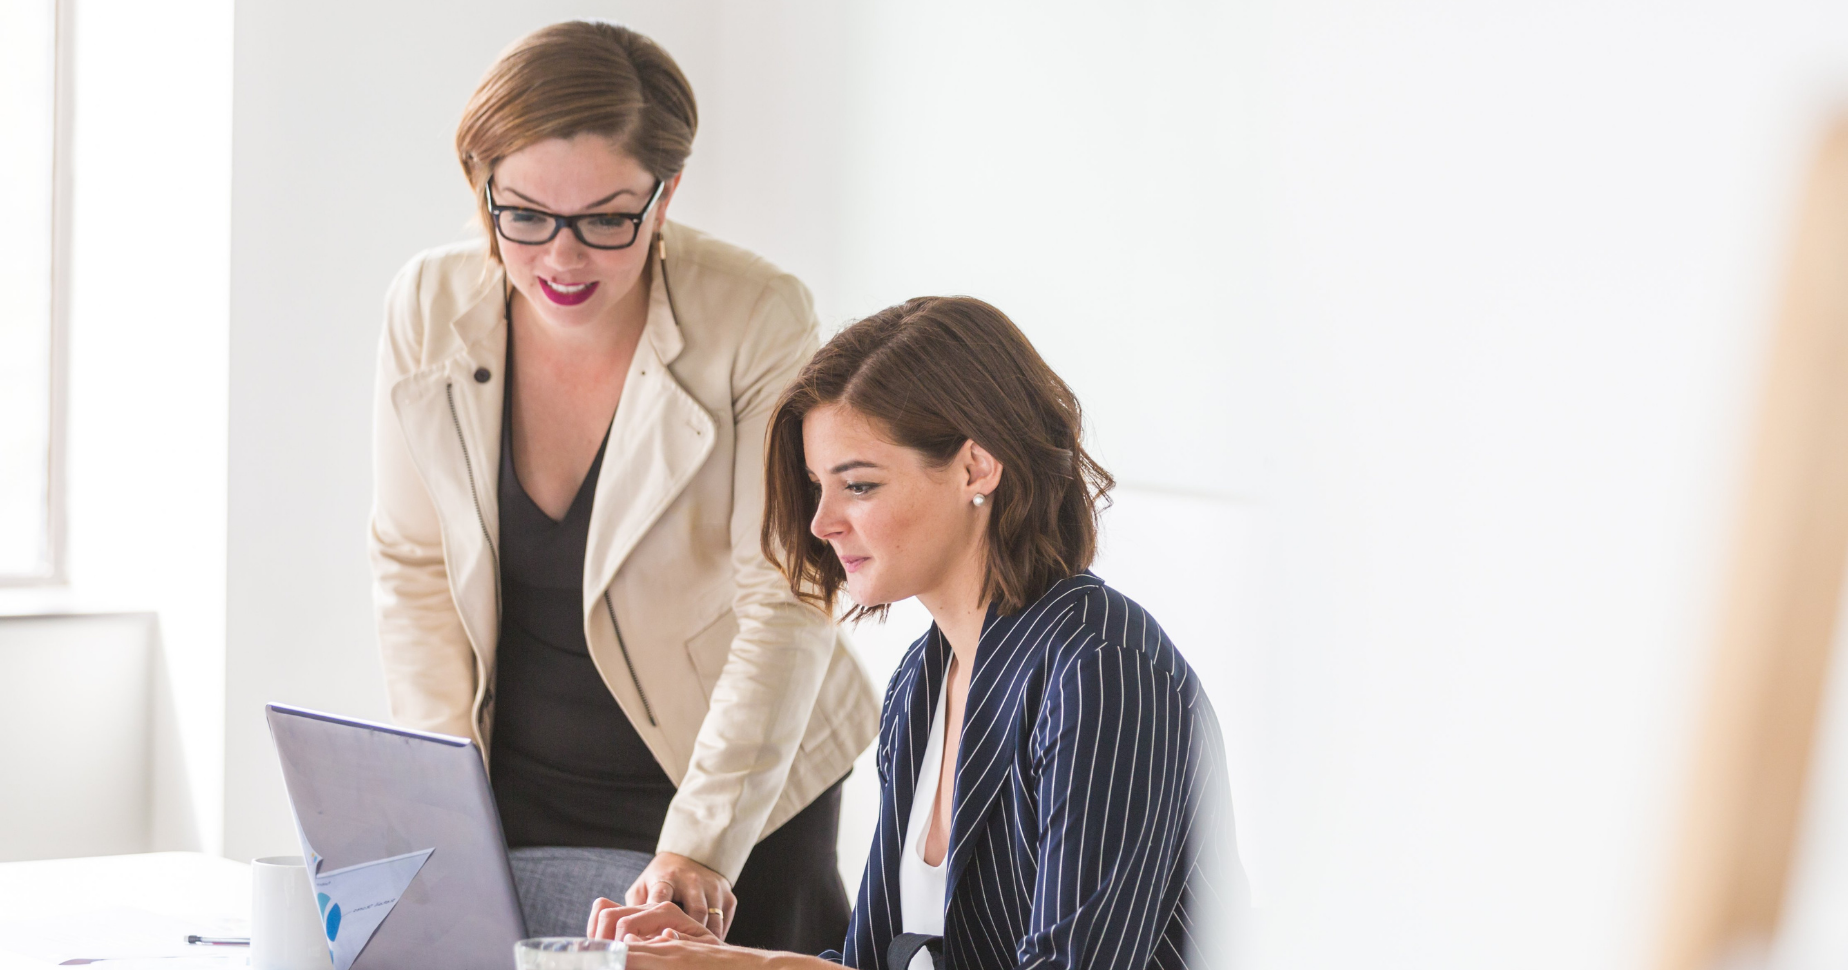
(1091, 810)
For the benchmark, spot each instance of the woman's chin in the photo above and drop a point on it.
(866, 593)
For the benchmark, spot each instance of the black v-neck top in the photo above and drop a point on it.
(568, 767)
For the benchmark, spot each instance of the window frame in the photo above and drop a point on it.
(57, 572)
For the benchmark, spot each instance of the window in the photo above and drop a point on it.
(30, 440)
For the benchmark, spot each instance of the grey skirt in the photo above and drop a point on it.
(557, 884)
(790, 895)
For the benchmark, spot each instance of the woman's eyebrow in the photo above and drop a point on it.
(848, 466)
(608, 198)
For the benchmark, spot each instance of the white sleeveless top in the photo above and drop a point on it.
(920, 885)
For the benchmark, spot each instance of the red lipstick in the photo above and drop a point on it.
(569, 296)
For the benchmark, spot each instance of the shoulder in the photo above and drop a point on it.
(1111, 663)
(458, 271)
(718, 284)
(1087, 623)
(434, 288)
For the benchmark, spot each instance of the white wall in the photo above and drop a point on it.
(1466, 303)
(1814, 935)
(1459, 309)
(1528, 263)
(78, 700)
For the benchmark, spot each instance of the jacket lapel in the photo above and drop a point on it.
(659, 438)
(904, 736)
(984, 758)
(919, 705)
(451, 424)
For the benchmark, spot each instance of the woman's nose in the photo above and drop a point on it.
(564, 251)
(826, 524)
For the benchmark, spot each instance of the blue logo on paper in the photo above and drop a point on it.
(332, 915)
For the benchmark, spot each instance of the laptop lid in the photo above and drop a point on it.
(367, 793)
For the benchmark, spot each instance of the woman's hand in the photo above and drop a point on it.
(665, 921)
(672, 954)
(663, 936)
(704, 894)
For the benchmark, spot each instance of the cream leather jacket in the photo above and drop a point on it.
(752, 703)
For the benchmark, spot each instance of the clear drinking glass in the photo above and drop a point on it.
(569, 953)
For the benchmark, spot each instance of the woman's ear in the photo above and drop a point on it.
(981, 470)
(667, 195)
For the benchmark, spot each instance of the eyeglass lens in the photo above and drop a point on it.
(535, 227)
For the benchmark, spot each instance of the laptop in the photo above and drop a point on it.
(404, 827)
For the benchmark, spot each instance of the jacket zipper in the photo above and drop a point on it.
(449, 390)
(646, 707)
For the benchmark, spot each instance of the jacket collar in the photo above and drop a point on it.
(481, 326)
(1006, 656)
(658, 440)
(662, 331)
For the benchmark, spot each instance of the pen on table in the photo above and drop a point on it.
(198, 940)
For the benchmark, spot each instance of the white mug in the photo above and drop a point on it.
(285, 925)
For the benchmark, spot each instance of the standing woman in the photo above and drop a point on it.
(568, 472)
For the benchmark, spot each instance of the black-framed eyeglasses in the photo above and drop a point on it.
(598, 230)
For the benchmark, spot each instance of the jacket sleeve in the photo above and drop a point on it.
(764, 695)
(1116, 752)
(429, 666)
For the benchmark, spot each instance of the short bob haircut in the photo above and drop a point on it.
(932, 373)
(573, 78)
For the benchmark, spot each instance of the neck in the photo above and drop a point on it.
(959, 606)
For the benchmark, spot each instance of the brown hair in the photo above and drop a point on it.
(572, 78)
(932, 373)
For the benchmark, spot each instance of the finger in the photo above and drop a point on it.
(730, 905)
(659, 891)
(712, 908)
(596, 908)
(614, 922)
(691, 897)
(638, 891)
(649, 922)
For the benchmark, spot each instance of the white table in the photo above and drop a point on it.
(161, 893)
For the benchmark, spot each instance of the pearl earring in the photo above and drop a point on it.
(979, 499)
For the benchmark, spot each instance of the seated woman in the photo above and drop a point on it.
(928, 451)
